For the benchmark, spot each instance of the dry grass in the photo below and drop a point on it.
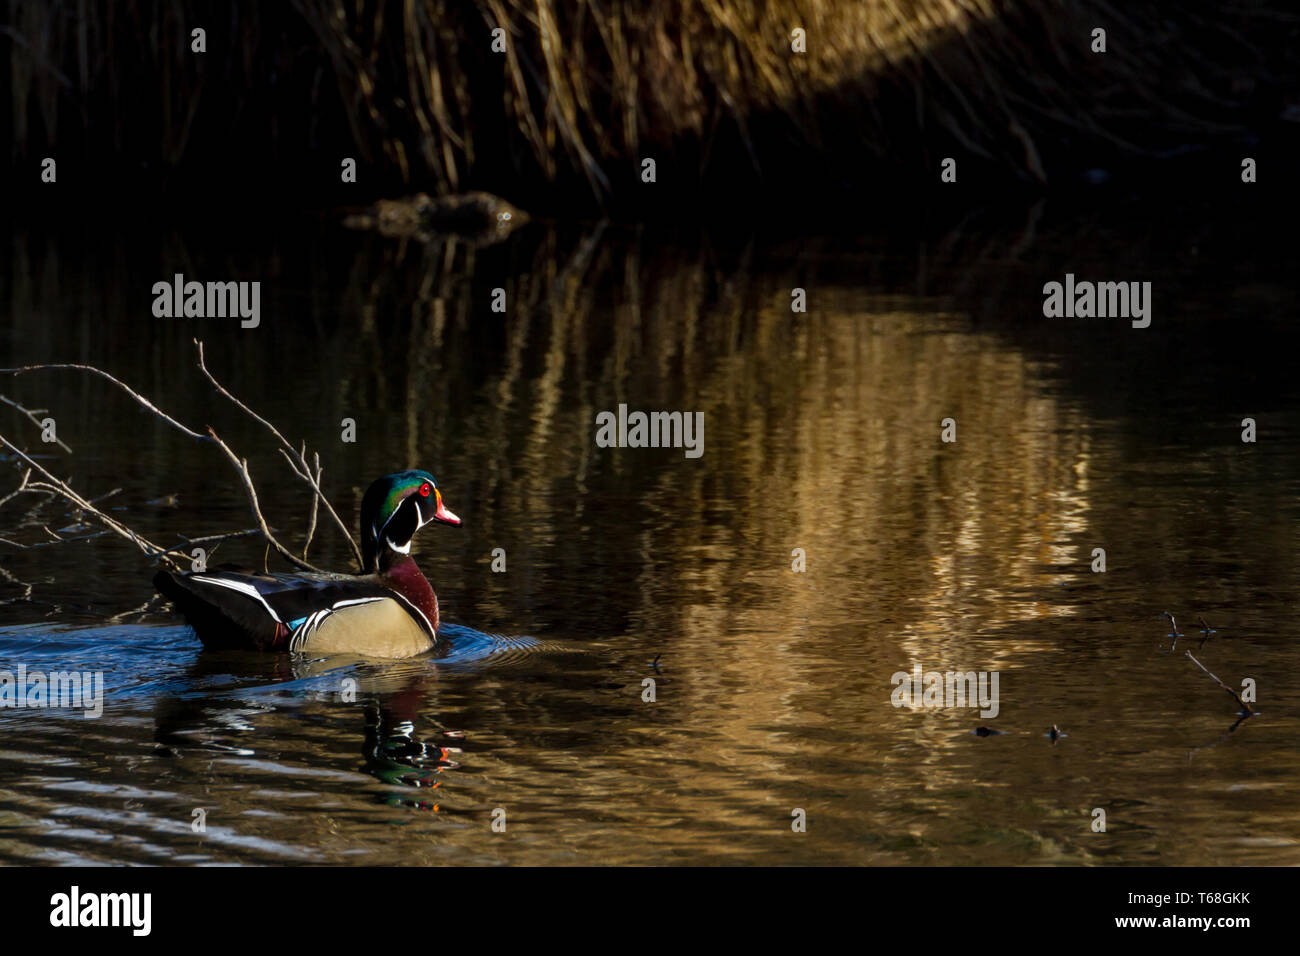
(587, 87)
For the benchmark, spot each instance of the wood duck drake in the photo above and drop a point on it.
(389, 610)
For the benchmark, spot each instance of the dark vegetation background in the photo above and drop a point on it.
(736, 121)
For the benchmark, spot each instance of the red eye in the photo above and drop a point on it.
(424, 490)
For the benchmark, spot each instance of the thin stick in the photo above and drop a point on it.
(311, 525)
(49, 544)
(241, 466)
(27, 588)
(1245, 707)
(21, 489)
(1206, 630)
(300, 468)
(32, 414)
(204, 539)
(120, 384)
(65, 491)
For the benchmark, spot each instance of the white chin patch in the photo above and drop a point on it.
(400, 549)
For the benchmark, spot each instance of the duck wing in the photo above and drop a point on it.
(230, 608)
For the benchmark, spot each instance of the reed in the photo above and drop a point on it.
(585, 88)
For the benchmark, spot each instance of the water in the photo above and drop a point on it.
(772, 687)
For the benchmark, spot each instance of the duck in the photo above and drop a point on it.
(388, 610)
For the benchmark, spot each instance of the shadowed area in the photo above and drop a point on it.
(554, 105)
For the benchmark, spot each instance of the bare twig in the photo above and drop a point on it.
(105, 496)
(241, 466)
(207, 538)
(297, 459)
(1173, 631)
(27, 588)
(1245, 707)
(299, 466)
(33, 415)
(311, 524)
(64, 490)
(56, 540)
(120, 384)
(21, 489)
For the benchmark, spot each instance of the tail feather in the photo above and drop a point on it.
(220, 617)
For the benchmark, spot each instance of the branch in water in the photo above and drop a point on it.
(120, 384)
(296, 458)
(65, 491)
(300, 467)
(1245, 707)
(315, 507)
(21, 490)
(241, 466)
(33, 414)
(208, 538)
(27, 588)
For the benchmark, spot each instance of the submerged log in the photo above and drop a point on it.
(476, 216)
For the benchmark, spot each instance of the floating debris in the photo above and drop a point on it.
(1173, 631)
(1173, 626)
(1246, 710)
(1206, 630)
(477, 216)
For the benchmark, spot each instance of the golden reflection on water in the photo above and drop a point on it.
(822, 433)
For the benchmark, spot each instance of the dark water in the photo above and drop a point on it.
(773, 688)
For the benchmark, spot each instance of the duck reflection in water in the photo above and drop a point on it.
(395, 755)
(221, 719)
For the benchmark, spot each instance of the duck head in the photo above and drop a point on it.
(393, 509)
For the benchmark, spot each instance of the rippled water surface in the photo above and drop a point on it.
(772, 688)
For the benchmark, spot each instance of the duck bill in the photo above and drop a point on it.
(443, 514)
